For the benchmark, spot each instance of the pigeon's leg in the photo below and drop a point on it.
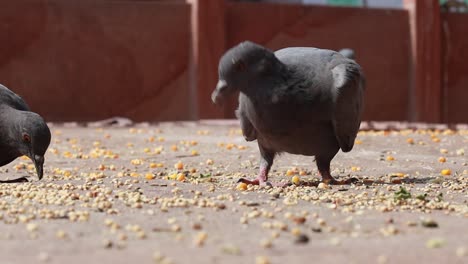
(266, 160)
(323, 165)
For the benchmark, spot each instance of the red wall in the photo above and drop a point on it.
(89, 60)
(455, 67)
(157, 60)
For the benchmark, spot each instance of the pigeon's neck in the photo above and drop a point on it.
(266, 89)
(10, 120)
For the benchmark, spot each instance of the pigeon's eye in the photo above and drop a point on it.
(26, 138)
(240, 66)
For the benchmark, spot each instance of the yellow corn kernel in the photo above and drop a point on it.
(295, 231)
(446, 172)
(442, 159)
(241, 186)
(179, 165)
(137, 161)
(200, 238)
(149, 176)
(390, 158)
(295, 179)
(181, 177)
(262, 260)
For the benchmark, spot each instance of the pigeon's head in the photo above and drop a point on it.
(33, 138)
(241, 68)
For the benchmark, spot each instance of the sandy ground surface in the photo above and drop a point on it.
(109, 196)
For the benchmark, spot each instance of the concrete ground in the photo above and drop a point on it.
(114, 195)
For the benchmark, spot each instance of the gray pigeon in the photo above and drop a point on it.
(22, 132)
(305, 101)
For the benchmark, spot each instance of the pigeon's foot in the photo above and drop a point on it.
(263, 183)
(333, 181)
(328, 179)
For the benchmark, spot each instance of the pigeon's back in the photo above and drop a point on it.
(9, 98)
(298, 55)
(313, 62)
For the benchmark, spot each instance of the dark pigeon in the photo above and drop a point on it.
(298, 100)
(22, 132)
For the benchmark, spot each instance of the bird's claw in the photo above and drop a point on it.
(333, 181)
(247, 181)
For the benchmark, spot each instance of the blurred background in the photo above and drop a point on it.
(152, 60)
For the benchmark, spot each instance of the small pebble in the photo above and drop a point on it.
(301, 239)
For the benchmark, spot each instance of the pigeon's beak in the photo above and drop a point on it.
(220, 92)
(39, 163)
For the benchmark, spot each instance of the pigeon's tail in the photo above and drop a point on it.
(348, 53)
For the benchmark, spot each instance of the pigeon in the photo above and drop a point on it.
(22, 132)
(299, 100)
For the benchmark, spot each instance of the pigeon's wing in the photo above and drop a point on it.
(348, 85)
(248, 130)
(11, 99)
